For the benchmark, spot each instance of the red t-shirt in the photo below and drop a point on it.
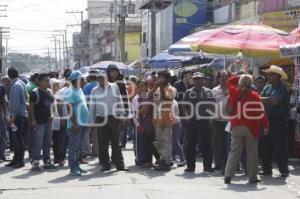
(245, 108)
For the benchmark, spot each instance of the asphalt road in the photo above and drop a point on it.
(141, 183)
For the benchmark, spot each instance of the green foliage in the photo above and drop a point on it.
(26, 62)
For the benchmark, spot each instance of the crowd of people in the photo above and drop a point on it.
(232, 120)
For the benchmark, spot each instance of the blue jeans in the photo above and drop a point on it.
(75, 140)
(60, 144)
(127, 133)
(183, 141)
(3, 139)
(42, 139)
(18, 139)
(63, 143)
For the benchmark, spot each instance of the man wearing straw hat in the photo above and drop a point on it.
(275, 97)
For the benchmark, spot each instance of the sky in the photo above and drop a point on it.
(43, 16)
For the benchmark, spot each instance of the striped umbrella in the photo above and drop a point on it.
(252, 40)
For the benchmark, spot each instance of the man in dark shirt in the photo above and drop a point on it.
(41, 100)
(275, 97)
(199, 122)
(181, 86)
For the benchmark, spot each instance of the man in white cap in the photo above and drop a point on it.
(275, 97)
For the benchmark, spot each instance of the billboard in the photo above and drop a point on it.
(282, 20)
(188, 15)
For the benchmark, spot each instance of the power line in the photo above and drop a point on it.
(31, 6)
(32, 30)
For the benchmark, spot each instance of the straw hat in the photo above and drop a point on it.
(277, 70)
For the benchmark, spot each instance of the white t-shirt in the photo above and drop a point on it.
(221, 99)
(175, 113)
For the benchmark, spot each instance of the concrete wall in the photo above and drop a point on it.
(132, 46)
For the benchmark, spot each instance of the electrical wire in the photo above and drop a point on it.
(30, 6)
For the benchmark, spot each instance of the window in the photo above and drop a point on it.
(144, 38)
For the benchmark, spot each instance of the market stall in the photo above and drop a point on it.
(253, 42)
(293, 52)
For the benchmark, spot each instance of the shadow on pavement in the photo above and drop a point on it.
(273, 181)
(92, 173)
(150, 173)
(28, 174)
(243, 188)
(193, 175)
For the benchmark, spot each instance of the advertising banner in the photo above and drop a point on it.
(282, 20)
(188, 15)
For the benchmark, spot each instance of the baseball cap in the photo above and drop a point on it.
(198, 75)
(75, 75)
(101, 73)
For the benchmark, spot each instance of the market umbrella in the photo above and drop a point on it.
(252, 40)
(104, 65)
(296, 32)
(166, 60)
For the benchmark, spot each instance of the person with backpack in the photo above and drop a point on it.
(40, 102)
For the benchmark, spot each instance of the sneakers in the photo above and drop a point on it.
(82, 170)
(35, 166)
(62, 163)
(209, 170)
(189, 170)
(162, 167)
(82, 161)
(227, 180)
(104, 169)
(181, 164)
(11, 164)
(266, 173)
(123, 169)
(284, 175)
(255, 181)
(49, 165)
(75, 172)
(19, 165)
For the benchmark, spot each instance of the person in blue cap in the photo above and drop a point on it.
(78, 121)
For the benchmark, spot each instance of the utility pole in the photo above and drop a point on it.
(55, 49)
(1, 46)
(153, 31)
(49, 61)
(67, 50)
(59, 54)
(111, 30)
(72, 25)
(6, 54)
(1, 37)
(65, 45)
(77, 12)
(116, 40)
(123, 14)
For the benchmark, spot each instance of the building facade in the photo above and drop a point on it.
(99, 38)
(174, 20)
(280, 14)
